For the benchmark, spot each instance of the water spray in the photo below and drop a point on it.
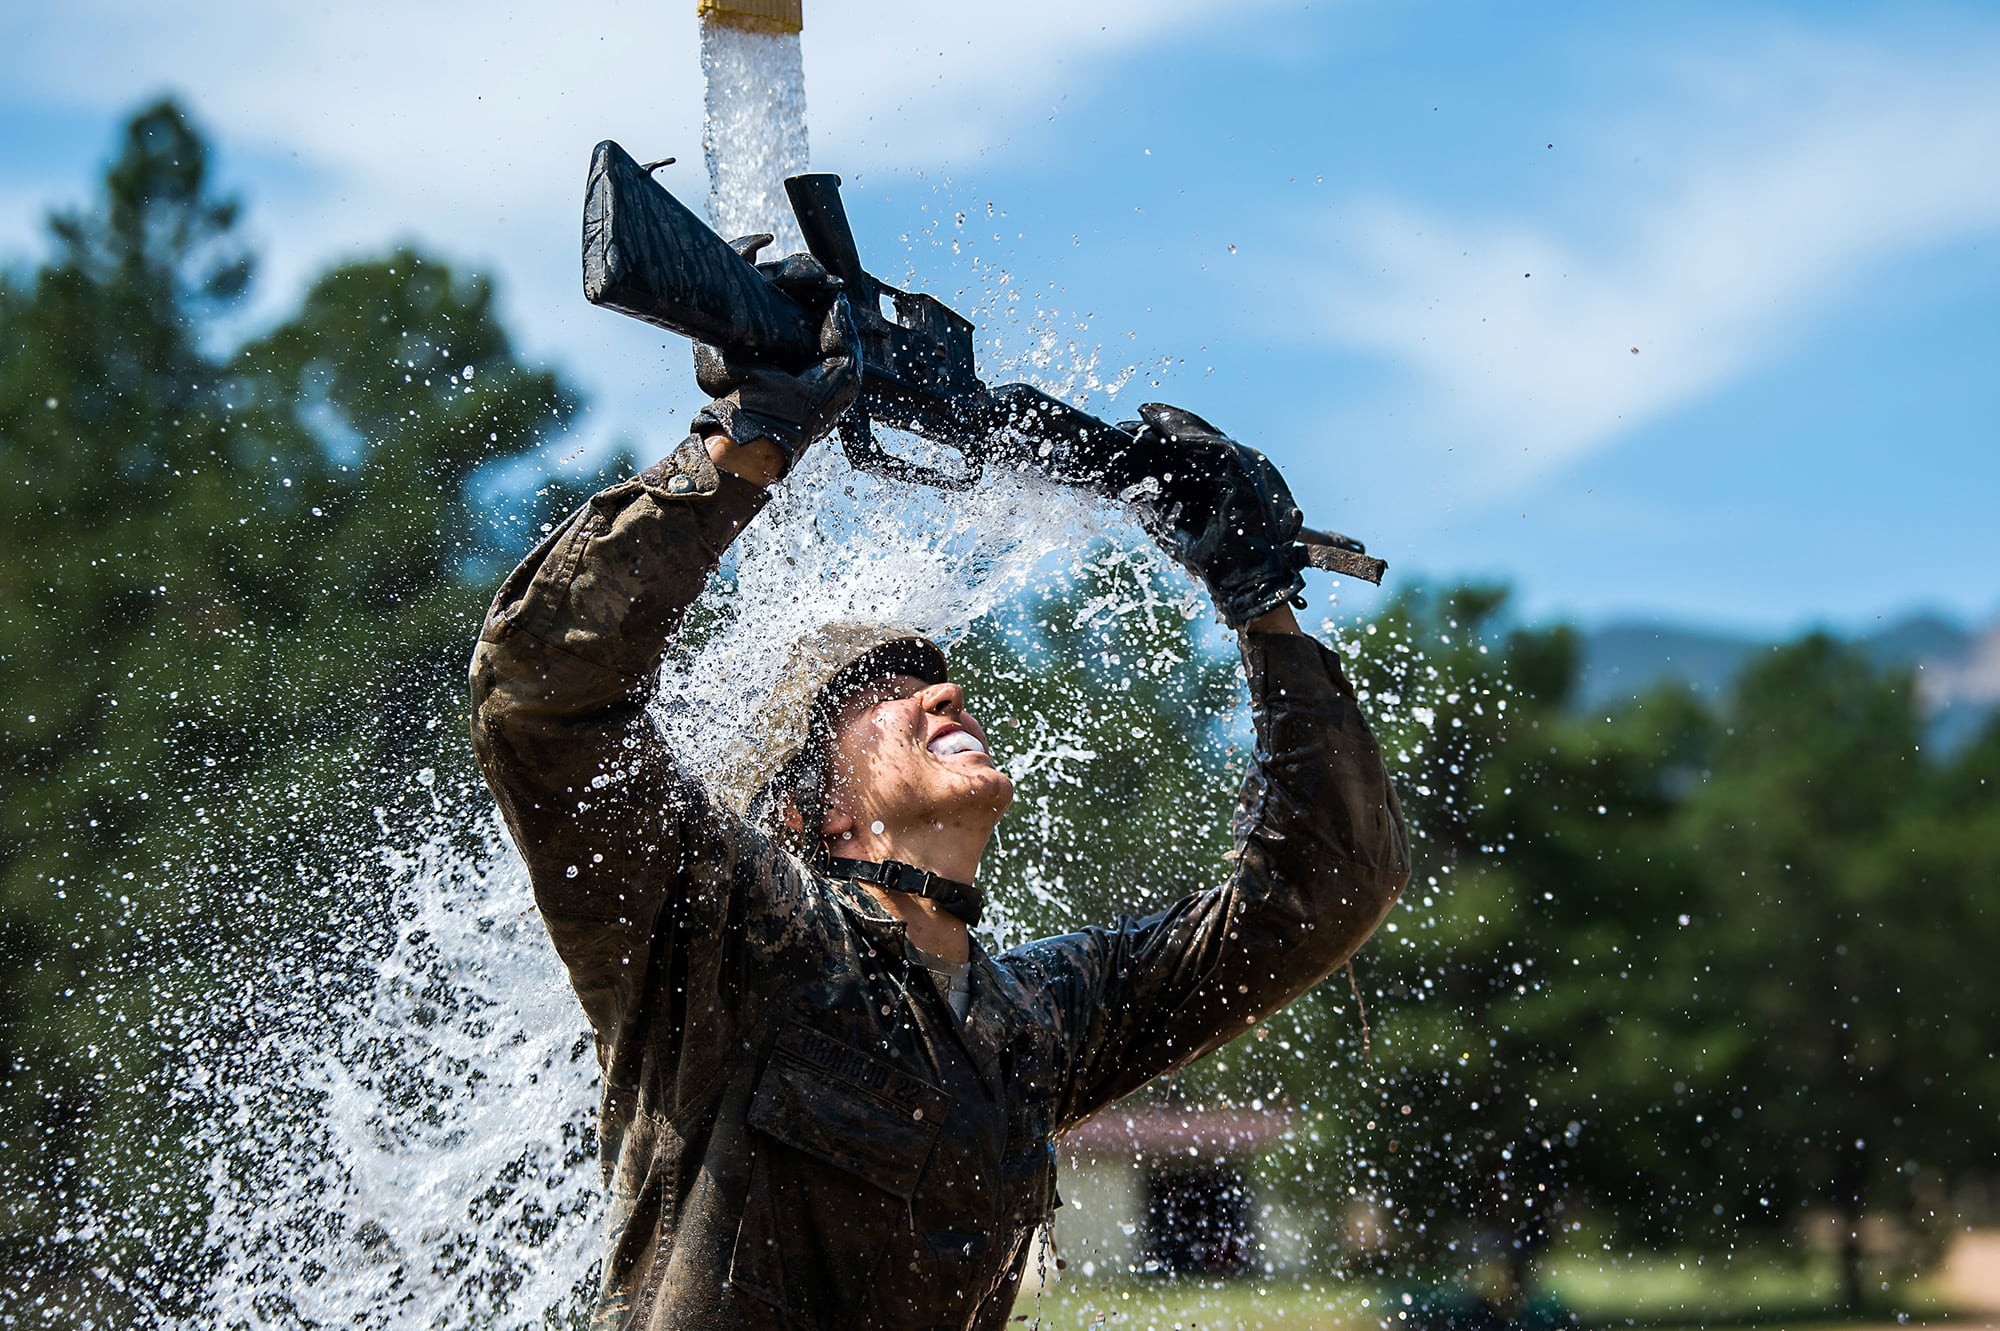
(754, 132)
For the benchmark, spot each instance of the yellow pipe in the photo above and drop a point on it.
(754, 15)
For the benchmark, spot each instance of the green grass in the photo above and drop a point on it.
(1192, 1305)
(1753, 1287)
(1647, 1287)
(1652, 1290)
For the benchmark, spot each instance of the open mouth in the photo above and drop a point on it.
(954, 742)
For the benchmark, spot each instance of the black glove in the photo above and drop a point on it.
(1219, 508)
(757, 399)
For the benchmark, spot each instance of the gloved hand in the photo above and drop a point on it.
(758, 399)
(1219, 508)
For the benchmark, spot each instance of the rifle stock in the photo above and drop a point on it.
(646, 255)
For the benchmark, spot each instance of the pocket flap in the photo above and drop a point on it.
(849, 1108)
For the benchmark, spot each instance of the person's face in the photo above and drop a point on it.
(907, 753)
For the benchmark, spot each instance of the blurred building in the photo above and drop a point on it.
(1153, 1189)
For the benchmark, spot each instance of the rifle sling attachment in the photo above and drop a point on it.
(960, 899)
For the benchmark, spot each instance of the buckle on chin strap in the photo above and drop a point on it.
(960, 899)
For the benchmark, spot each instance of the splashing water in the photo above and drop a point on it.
(836, 544)
(754, 132)
(405, 1136)
(417, 1149)
(418, 1153)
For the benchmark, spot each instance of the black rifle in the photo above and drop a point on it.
(646, 255)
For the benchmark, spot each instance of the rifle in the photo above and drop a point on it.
(646, 255)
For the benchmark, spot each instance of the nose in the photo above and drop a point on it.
(946, 699)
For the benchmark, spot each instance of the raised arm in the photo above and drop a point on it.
(559, 681)
(570, 649)
(1320, 859)
(1320, 848)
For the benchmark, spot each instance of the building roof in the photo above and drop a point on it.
(1159, 1131)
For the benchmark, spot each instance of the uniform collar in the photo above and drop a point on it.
(988, 1024)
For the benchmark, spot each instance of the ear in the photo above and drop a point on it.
(835, 824)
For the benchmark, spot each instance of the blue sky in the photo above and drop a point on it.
(1406, 248)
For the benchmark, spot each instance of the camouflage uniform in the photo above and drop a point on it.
(796, 1131)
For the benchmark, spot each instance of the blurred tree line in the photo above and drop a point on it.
(1693, 974)
(1695, 971)
(243, 583)
(1689, 975)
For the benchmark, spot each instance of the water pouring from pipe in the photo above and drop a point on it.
(754, 129)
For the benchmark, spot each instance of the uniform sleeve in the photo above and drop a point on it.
(1321, 857)
(608, 828)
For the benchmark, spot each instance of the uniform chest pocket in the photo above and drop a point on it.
(848, 1108)
(839, 1141)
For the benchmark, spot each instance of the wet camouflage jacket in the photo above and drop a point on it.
(796, 1130)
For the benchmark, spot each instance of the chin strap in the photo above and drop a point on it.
(956, 898)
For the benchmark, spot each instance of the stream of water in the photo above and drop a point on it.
(755, 131)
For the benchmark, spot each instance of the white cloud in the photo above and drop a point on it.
(915, 81)
(1791, 176)
(390, 89)
(455, 111)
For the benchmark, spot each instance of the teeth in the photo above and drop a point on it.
(957, 742)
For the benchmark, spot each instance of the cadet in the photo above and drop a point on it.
(824, 1105)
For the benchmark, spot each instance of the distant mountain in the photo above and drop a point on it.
(1961, 691)
(1920, 640)
(1622, 661)
(1957, 669)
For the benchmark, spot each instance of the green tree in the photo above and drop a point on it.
(235, 626)
(1843, 925)
(1703, 968)
(1757, 926)
(1456, 1127)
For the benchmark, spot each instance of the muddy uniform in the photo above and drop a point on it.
(796, 1129)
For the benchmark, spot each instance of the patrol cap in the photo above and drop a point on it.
(786, 749)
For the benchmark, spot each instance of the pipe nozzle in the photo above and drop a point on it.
(779, 16)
